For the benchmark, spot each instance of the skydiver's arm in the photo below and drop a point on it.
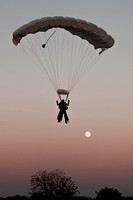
(57, 102)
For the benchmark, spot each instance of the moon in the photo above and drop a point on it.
(87, 134)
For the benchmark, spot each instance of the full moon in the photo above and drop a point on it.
(87, 134)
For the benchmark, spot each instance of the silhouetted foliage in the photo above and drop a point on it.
(129, 198)
(108, 194)
(37, 196)
(82, 198)
(52, 184)
(17, 197)
(103, 194)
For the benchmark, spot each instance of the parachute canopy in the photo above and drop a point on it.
(64, 48)
(85, 30)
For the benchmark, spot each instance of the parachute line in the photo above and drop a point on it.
(65, 58)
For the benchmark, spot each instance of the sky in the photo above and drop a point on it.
(102, 103)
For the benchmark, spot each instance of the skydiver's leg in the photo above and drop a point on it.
(58, 118)
(60, 115)
(66, 117)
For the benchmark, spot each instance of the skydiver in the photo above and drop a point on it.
(63, 106)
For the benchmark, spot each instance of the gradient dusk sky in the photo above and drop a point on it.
(102, 103)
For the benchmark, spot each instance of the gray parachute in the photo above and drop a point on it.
(64, 48)
(85, 30)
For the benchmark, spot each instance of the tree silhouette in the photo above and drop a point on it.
(108, 194)
(54, 183)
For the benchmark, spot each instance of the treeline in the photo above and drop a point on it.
(56, 185)
(41, 197)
